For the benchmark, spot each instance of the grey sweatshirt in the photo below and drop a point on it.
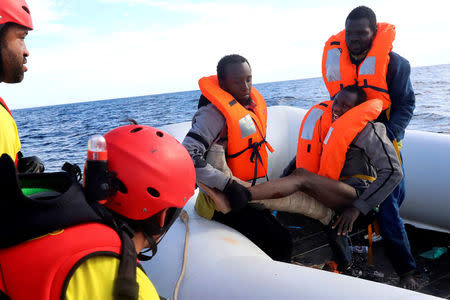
(372, 153)
(208, 124)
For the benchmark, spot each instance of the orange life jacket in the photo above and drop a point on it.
(41, 268)
(246, 149)
(338, 71)
(323, 144)
(313, 130)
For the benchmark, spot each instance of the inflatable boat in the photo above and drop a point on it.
(220, 263)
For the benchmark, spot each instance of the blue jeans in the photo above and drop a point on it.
(393, 231)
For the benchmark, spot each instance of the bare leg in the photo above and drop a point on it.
(331, 193)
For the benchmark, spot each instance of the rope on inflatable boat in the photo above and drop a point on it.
(185, 218)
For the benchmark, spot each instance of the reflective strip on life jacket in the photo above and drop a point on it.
(311, 136)
(338, 71)
(38, 269)
(325, 153)
(246, 149)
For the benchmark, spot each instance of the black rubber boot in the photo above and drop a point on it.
(340, 245)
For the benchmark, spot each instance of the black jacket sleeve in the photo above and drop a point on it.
(402, 97)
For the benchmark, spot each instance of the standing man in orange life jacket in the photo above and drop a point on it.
(15, 22)
(361, 54)
(232, 115)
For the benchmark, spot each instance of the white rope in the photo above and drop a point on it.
(185, 218)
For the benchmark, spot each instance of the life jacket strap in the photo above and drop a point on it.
(125, 285)
(255, 156)
(153, 247)
(378, 89)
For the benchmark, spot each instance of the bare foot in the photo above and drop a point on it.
(409, 282)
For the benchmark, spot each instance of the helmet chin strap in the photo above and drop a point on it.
(152, 247)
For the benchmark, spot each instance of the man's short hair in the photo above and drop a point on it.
(363, 12)
(228, 60)
(359, 91)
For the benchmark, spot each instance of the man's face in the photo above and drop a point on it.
(14, 54)
(238, 81)
(343, 101)
(358, 35)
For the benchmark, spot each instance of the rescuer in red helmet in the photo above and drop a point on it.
(151, 178)
(15, 22)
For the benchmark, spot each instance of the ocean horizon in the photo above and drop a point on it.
(59, 133)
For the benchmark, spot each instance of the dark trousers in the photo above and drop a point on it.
(393, 231)
(261, 227)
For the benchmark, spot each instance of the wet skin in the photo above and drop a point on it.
(358, 36)
(238, 81)
(14, 54)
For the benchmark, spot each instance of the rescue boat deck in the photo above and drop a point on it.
(311, 248)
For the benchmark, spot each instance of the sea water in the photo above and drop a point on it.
(60, 133)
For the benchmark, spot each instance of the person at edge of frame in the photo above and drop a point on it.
(15, 22)
(74, 244)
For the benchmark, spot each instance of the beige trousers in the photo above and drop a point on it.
(298, 202)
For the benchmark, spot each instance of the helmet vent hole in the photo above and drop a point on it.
(121, 187)
(159, 133)
(26, 9)
(135, 129)
(153, 192)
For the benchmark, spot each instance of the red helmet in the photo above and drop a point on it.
(156, 170)
(15, 11)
